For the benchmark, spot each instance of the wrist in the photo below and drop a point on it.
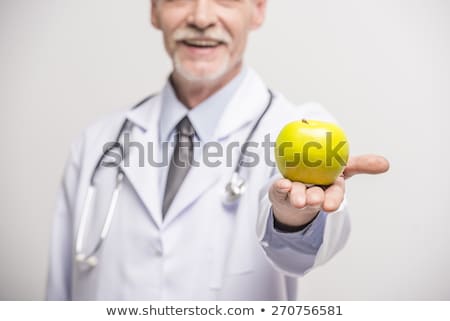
(292, 226)
(294, 216)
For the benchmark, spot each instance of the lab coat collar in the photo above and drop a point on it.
(141, 115)
(245, 106)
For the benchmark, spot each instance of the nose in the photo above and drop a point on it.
(202, 16)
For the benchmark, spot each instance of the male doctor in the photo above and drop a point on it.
(172, 235)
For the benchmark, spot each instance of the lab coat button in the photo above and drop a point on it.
(158, 249)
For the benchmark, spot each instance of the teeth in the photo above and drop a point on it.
(202, 43)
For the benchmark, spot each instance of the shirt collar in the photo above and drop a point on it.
(204, 117)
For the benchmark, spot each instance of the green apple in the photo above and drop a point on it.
(312, 152)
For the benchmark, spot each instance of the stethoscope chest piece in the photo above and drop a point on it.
(235, 188)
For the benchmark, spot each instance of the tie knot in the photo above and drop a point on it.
(185, 128)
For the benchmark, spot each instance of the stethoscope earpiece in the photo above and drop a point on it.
(87, 262)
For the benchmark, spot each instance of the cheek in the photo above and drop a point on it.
(240, 39)
(169, 23)
(238, 26)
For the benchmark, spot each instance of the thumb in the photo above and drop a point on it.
(280, 189)
(366, 164)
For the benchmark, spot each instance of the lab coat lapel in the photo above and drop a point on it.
(139, 172)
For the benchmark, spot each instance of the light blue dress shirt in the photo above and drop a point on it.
(204, 118)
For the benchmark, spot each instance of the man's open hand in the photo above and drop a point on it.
(295, 204)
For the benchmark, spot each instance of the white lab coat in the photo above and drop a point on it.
(203, 250)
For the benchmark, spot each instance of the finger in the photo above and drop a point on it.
(280, 189)
(334, 195)
(314, 197)
(297, 195)
(366, 164)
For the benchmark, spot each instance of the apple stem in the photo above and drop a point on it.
(305, 121)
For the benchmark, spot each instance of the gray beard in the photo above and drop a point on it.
(178, 67)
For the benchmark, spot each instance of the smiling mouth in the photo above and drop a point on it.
(202, 43)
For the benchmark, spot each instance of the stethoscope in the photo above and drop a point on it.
(234, 189)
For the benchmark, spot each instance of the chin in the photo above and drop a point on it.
(203, 72)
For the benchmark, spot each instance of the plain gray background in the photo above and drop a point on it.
(382, 67)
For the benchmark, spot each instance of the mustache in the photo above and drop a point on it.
(189, 33)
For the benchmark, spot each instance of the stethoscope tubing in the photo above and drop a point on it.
(235, 188)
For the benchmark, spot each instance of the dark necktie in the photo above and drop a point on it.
(180, 163)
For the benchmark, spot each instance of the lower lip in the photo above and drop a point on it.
(198, 51)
